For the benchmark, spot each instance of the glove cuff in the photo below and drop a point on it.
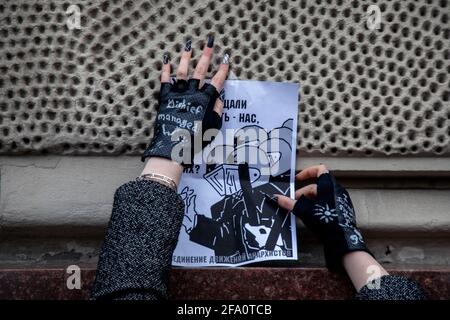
(337, 246)
(149, 152)
(162, 146)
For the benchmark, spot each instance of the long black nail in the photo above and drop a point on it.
(188, 45)
(226, 58)
(210, 41)
(166, 58)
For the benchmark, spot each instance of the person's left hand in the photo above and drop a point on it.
(187, 108)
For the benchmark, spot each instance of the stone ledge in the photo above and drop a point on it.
(72, 193)
(49, 252)
(187, 284)
(380, 166)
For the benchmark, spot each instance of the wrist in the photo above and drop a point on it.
(362, 268)
(165, 167)
(340, 243)
(351, 256)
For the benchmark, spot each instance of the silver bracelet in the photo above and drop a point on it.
(159, 178)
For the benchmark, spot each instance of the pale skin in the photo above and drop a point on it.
(355, 263)
(358, 263)
(168, 167)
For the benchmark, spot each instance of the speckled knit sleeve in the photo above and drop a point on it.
(393, 288)
(136, 255)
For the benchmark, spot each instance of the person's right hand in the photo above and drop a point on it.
(327, 210)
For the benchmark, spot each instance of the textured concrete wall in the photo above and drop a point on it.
(92, 90)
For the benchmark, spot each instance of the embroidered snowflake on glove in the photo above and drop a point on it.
(325, 213)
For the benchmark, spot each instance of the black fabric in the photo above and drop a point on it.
(392, 288)
(142, 234)
(331, 217)
(183, 105)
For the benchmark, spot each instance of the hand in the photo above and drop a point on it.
(187, 108)
(190, 211)
(327, 210)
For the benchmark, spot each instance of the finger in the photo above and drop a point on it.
(218, 107)
(309, 191)
(285, 202)
(221, 75)
(311, 172)
(183, 67)
(203, 64)
(165, 74)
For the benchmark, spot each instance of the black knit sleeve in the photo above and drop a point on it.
(392, 288)
(136, 255)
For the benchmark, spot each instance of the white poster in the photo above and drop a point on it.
(230, 219)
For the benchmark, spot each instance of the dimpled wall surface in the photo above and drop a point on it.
(93, 90)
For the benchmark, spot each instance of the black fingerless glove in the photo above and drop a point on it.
(185, 113)
(331, 217)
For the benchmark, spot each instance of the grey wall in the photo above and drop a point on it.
(92, 90)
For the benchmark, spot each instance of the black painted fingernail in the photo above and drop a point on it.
(210, 41)
(188, 45)
(166, 58)
(226, 58)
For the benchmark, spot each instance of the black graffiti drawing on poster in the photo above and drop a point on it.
(246, 220)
